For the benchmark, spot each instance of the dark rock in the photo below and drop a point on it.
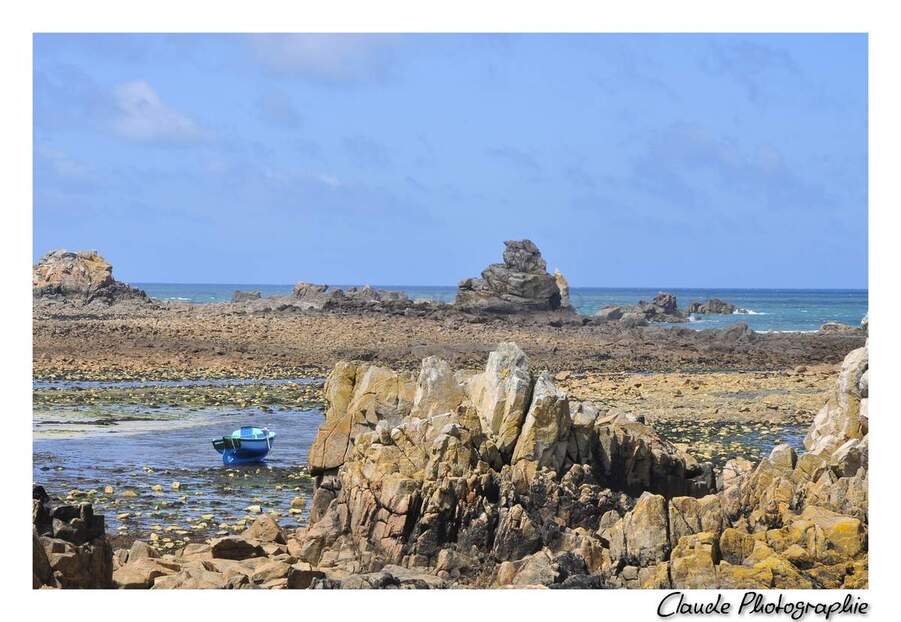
(519, 285)
(713, 305)
(234, 547)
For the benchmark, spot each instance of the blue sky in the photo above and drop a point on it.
(631, 160)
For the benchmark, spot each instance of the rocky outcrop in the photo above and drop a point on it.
(499, 479)
(69, 545)
(712, 306)
(663, 308)
(323, 297)
(498, 465)
(519, 285)
(563, 286)
(838, 327)
(240, 296)
(82, 277)
(844, 418)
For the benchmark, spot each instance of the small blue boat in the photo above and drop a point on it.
(245, 446)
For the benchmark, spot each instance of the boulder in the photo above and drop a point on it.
(142, 573)
(610, 313)
(265, 529)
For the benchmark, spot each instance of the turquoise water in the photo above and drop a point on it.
(768, 309)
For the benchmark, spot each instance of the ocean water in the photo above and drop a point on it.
(765, 309)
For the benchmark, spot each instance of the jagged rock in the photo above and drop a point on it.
(563, 286)
(423, 485)
(75, 547)
(323, 297)
(520, 284)
(82, 277)
(712, 306)
(663, 308)
(544, 434)
(689, 516)
(501, 395)
(694, 560)
(641, 535)
(844, 415)
(357, 397)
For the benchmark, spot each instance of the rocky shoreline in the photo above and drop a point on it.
(499, 478)
(587, 452)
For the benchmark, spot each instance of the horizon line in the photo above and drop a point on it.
(411, 285)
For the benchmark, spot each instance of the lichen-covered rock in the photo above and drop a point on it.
(641, 536)
(693, 561)
(543, 439)
(501, 395)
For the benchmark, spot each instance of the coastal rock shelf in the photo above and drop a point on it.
(413, 475)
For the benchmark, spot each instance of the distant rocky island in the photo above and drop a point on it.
(519, 287)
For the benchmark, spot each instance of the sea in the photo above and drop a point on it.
(765, 310)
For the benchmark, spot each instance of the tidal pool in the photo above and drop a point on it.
(114, 457)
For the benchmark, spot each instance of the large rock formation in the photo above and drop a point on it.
(82, 276)
(498, 478)
(450, 471)
(69, 544)
(520, 284)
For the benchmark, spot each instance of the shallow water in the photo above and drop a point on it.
(718, 442)
(185, 383)
(135, 449)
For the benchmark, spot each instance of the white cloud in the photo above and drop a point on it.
(325, 57)
(142, 116)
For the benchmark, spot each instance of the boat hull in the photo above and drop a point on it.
(237, 450)
(242, 456)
